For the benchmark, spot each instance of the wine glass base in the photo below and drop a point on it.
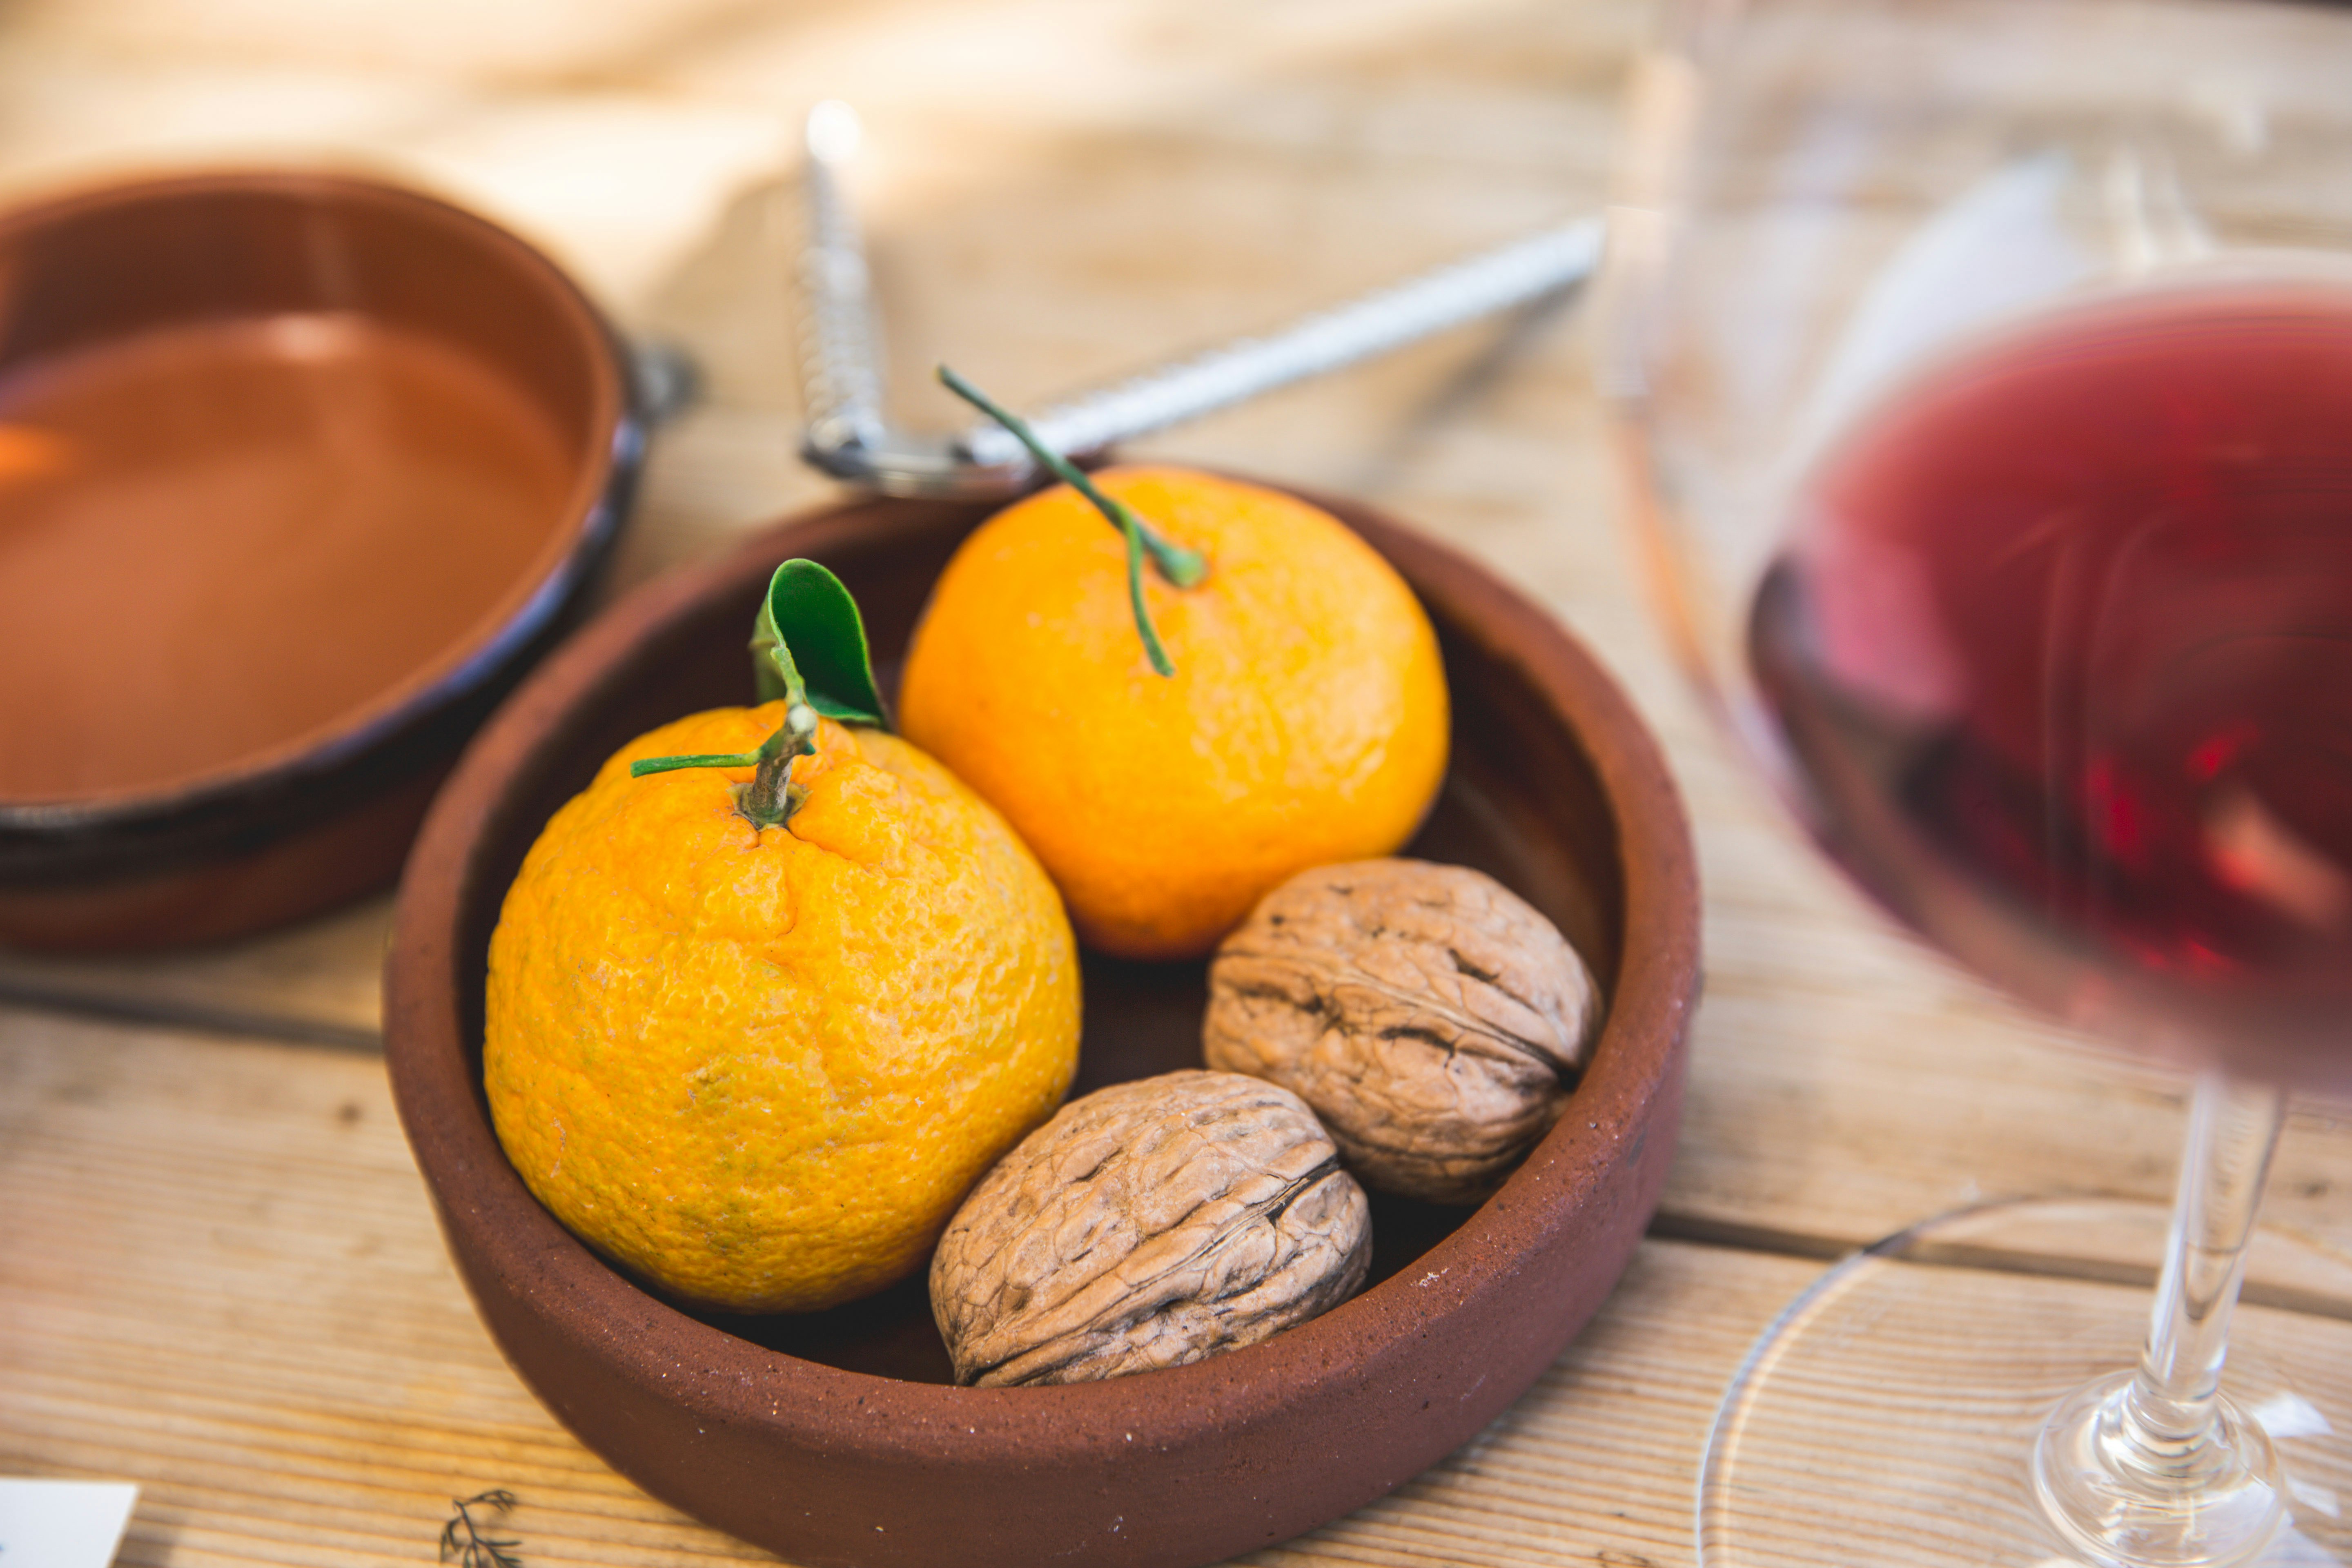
(1889, 1418)
(2113, 1511)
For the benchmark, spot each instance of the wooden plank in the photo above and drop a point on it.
(222, 1280)
(316, 981)
(1925, 1388)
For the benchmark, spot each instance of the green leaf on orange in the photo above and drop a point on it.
(810, 639)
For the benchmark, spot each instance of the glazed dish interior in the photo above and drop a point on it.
(272, 457)
(1520, 802)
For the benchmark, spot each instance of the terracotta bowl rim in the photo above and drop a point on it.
(723, 1378)
(592, 516)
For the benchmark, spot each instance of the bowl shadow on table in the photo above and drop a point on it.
(1519, 802)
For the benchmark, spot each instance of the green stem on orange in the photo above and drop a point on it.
(644, 765)
(1180, 566)
(771, 796)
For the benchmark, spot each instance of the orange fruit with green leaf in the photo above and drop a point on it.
(1179, 713)
(772, 993)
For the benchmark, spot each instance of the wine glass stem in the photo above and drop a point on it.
(2234, 1127)
(2153, 1468)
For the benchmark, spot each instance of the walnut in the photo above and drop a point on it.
(1433, 1020)
(1148, 1225)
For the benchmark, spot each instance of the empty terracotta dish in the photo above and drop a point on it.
(836, 1438)
(296, 473)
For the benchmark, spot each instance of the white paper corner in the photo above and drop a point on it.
(63, 1524)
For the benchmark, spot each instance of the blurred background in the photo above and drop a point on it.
(1055, 191)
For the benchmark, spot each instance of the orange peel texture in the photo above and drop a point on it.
(761, 1066)
(1305, 723)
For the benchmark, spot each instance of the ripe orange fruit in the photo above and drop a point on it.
(1305, 723)
(761, 1066)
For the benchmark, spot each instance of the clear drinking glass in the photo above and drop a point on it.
(1987, 366)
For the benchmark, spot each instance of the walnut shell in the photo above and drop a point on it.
(1433, 1020)
(1148, 1225)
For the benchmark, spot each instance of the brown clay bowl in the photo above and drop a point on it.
(836, 1438)
(196, 358)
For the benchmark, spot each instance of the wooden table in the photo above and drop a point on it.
(218, 1273)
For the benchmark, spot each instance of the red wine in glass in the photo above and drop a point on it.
(2061, 645)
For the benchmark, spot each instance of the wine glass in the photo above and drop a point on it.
(1986, 367)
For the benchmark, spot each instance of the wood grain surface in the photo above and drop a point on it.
(218, 1274)
(222, 1280)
